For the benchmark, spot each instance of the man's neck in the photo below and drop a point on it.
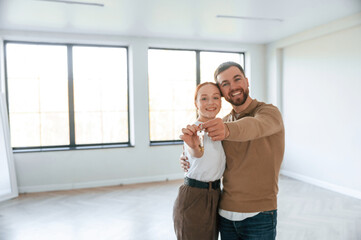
(241, 108)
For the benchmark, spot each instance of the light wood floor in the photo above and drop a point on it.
(144, 211)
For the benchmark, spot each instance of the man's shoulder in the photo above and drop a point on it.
(263, 105)
(267, 109)
(228, 117)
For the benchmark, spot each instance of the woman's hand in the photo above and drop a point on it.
(190, 136)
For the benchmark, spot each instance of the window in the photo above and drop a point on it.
(100, 95)
(173, 77)
(172, 82)
(66, 95)
(37, 94)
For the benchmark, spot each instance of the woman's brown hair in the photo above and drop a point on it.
(200, 86)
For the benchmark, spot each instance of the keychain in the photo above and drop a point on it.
(200, 134)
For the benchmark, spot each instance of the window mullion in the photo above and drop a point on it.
(198, 66)
(198, 72)
(71, 96)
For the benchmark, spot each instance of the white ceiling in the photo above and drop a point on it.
(182, 19)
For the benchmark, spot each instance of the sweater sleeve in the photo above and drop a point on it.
(266, 121)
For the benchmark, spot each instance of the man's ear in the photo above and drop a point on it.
(247, 82)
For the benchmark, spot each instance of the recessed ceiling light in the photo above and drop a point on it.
(89, 3)
(251, 18)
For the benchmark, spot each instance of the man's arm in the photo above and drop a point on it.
(267, 121)
(184, 163)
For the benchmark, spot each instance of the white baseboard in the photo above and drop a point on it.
(323, 184)
(103, 183)
(8, 196)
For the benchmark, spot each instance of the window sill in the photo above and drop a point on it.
(63, 148)
(166, 143)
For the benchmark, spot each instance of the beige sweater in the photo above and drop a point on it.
(254, 153)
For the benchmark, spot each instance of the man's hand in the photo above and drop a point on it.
(184, 163)
(216, 129)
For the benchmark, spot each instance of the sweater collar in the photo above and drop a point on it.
(245, 112)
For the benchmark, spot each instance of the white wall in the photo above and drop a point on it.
(44, 171)
(316, 76)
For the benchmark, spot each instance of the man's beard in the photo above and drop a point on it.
(239, 101)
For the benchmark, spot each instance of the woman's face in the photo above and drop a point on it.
(208, 102)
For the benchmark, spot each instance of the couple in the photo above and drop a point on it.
(249, 159)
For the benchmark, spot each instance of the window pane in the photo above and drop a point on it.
(172, 82)
(37, 79)
(100, 94)
(209, 61)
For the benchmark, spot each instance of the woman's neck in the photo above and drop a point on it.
(203, 119)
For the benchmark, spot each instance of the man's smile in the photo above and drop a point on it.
(236, 93)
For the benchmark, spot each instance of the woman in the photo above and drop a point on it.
(195, 209)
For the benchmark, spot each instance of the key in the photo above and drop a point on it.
(200, 134)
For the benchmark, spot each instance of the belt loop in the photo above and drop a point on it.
(209, 186)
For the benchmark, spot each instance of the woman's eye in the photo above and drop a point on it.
(203, 99)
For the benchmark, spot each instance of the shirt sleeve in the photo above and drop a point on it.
(266, 122)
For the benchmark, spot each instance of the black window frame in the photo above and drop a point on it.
(198, 80)
(72, 145)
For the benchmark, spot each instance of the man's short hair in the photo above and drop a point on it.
(224, 66)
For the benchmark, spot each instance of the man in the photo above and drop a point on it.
(253, 141)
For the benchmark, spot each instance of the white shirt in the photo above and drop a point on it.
(211, 165)
(235, 216)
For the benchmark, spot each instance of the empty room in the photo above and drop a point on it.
(112, 113)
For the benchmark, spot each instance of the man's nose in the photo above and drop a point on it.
(232, 85)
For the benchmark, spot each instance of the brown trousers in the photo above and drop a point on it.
(195, 213)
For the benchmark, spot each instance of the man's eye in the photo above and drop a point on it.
(224, 84)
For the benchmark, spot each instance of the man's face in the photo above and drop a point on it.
(233, 85)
